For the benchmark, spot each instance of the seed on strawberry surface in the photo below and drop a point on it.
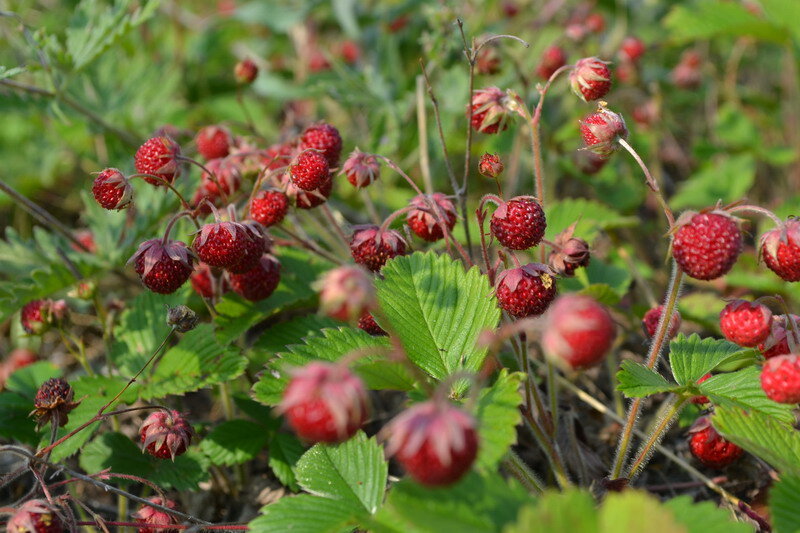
(269, 207)
(158, 157)
(346, 293)
(578, 331)
(709, 447)
(148, 516)
(780, 378)
(590, 79)
(372, 248)
(361, 168)
(653, 316)
(490, 166)
(256, 245)
(519, 223)
(368, 324)
(325, 138)
(221, 244)
(112, 190)
(490, 110)
(706, 245)
(35, 516)
(745, 323)
(553, 58)
(163, 267)
(780, 250)
(424, 219)
(601, 130)
(259, 282)
(165, 434)
(213, 142)
(53, 401)
(525, 291)
(309, 171)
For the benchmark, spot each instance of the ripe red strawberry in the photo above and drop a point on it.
(221, 244)
(325, 402)
(519, 224)
(254, 247)
(777, 343)
(325, 138)
(372, 248)
(150, 516)
(260, 282)
(163, 267)
(278, 155)
(227, 175)
(569, 253)
(53, 401)
(709, 447)
(631, 49)
(214, 142)
(490, 166)
(269, 207)
(525, 291)
(780, 378)
(202, 282)
(346, 293)
(35, 516)
(590, 79)
(706, 245)
(490, 110)
(434, 441)
(158, 157)
(361, 169)
(350, 52)
(745, 323)
(578, 331)
(553, 59)
(165, 434)
(309, 171)
(601, 130)
(423, 220)
(245, 71)
(701, 399)
(368, 324)
(310, 199)
(653, 316)
(780, 250)
(112, 190)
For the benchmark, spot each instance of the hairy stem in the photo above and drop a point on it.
(658, 432)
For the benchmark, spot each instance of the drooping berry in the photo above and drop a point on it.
(269, 207)
(519, 223)
(325, 402)
(309, 171)
(221, 244)
(590, 79)
(256, 245)
(709, 447)
(688, 74)
(653, 316)
(372, 248)
(259, 282)
(745, 323)
(163, 268)
(490, 166)
(434, 441)
(700, 400)
(553, 59)
(525, 291)
(368, 324)
(165, 434)
(245, 71)
(325, 138)
(310, 199)
(149, 516)
(578, 331)
(424, 218)
(780, 250)
(36, 316)
(631, 49)
(361, 168)
(490, 110)
(346, 293)
(777, 342)
(601, 130)
(53, 401)
(225, 178)
(35, 516)
(780, 378)
(569, 253)
(112, 190)
(706, 245)
(158, 157)
(213, 142)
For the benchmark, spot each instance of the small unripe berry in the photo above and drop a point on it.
(601, 130)
(150, 516)
(361, 168)
(245, 71)
(165, 434)
(590, 79)
(490, 166)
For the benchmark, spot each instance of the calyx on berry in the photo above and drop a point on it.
(361, 168)
(112, 190)
(490, 166)
(150, 516)
(372, 247)
(569, 252)
(165, 434)
(780, 250)
(601, 130)
(590, 79)
(163, 265)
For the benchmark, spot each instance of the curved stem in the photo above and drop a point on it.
(471, 56)
(650, 182)
(523, 473)
(757, 209)
(310, 245)
(186, 205)
(211, 175)
(174, 220)
(394, 216)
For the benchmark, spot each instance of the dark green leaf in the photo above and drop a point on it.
(284, 452)
(637, 381)
(303, 514)
(692, 357)
(498, 415)
(784, 504)
(234, 442)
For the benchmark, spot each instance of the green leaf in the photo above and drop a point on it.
(724, 178)
(704, 517)
(712, 18)
(637, 381)
(771, 440)
(605, 282)
(284, 452)
(623, 513)
(27, 380)
(498, 415)
(784, 504)
(276, 338)
(303, 514)
(692, 358)
(592, 217)
(557, 512)
(352, 473)
(743, 389)
(6, 73)
(15, 424)
(234, 442)
(437, 311)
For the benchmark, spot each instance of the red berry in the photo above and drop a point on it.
(553, 59)
(490, 166)
(202, 283)
(278, 156)
(309, 171)
(227, 175)
(245, 71)
(86, 238)
(346, 293)
(777, 343)
(490, 109)
(525, 291)
(488, 60)
(165, 434)
(578, 331)
(325, 402)
(325, 138)
(709, 447)
(687, 74)
(569, 253)
(653, 316)
(158, 157)
(260, 282)
(269, 207)
(163, 268)
(112, 190)
(595, 23)
(424, 220)
(361, 169)
(350, 52)
(701, 399)
(745, 323)
(590, 79)
(150, 516)
(372, 248)
(221, 244)
(780, 249)
(706, 245)
(310, 199)
(318, 61)
(780, 378)
(519, 224)
(256, 245)
(631, 49)
(601, 130)
(434, 441)
(18, 358)
(53, 401)
(35, 516)
(213, 142)
(32, 317)
(368, 324)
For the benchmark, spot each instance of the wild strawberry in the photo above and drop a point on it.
(490, 166)
(259, 282)
(780, 250)
(346, 293)
(221, 244)
(568, 253)
(158, 157)
(519, 223)
(525, 291)
(424, 219)
(578, 331)
(372, 248)
(325, 402)
(310, 199)
(777, 343)
(37, 316)
(201, 280)
(227, 175)
(163, 267)
(318, 61)
(490, 110)
(745, 323)
(269, 207)
(325, 138)
(213, 142)
(700, 400)
(278, 156)
(309, 170)
(165, 434)
(434, 441)
(361, 169)
(706, 245)
(595, 23)
(590, 79)
(53, 401)
(86, 238)
(368, 324)
(589, 163)
(553, 59)
(35, 516)
(687, 73)
(245, 71)
(780, 379)
(350, 52)
(709, 447)
(112, 190)
(150, 516)
(488, 60)
(653, 316)
(631, 49)
(601, 130)
(254, 247)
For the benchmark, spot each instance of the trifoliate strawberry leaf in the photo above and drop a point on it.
(304, 513)
(784, 504)
(438, 311)
(743, 389)
(692, 357)
(637, 381)
(704, 517)
(234, 442)
(284, 452)
(497, 413)
(557, 512)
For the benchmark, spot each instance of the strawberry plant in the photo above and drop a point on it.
(501, 266)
